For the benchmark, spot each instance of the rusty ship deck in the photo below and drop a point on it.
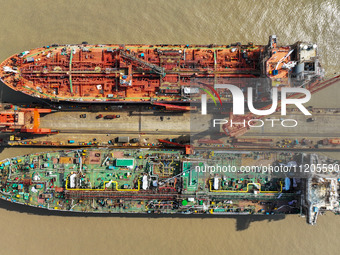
(149, 73)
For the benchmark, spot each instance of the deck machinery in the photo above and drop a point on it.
(156, 73)
(168, 181)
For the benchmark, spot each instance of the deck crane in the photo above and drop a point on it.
(157, 69)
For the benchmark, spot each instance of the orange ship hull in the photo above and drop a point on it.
(144, 73)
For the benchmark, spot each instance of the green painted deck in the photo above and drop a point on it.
(144, 180)
(124, 162)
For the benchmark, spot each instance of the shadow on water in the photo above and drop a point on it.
(8, 95)
(2, 148)
(4, 137)
(242, 221)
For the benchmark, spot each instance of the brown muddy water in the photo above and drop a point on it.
(29, 24)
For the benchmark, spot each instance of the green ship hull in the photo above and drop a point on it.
(156, 181)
